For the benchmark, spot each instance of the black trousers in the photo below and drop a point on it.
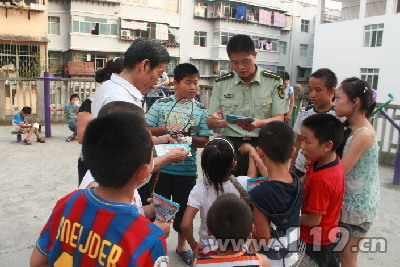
(242, 160)
(178, 188)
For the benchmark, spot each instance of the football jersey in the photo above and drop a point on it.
(86, 230)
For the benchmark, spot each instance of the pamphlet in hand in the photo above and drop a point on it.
(163, 149)
(253, 182)
(234, 119)
(165, 209)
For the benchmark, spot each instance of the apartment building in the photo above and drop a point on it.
(363, 43)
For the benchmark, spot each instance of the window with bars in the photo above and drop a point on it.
(305, 24)
(282, 47)
(303, 50)
(54, 25)
(174, 61)
(55, 64)
(24, 57)
(200, 38)
(371, 76)
(373, 35)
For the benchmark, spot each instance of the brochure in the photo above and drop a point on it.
(165, 209)
(234, 119)
(163, 149)
(253, 182)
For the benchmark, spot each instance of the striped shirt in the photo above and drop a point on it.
(156, 117)
(248, 259)
(85, 230)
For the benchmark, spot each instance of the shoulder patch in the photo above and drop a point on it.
(270, 74)
(281, 90)
(227, 76)
(165, 100)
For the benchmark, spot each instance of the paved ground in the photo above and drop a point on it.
(35, 177)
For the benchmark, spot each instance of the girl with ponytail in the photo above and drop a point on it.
(355, 100)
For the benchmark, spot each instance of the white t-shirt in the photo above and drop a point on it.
(288, 91)
(88, 179)
(115, 89)
(304, 113)
(202, 197)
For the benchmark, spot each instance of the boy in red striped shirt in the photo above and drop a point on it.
(99, 226)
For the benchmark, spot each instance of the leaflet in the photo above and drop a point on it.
(165, 209)
(163, 149)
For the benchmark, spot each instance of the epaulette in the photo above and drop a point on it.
(226, 76)
(165, 100)
(200, 105)
(270, 74)
(309, 107)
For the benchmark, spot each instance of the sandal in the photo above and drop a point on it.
(70, 138)
(186, 256)
(27, 142)
(40, 140)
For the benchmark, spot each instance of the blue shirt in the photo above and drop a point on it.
(18, 118)
(156, 117)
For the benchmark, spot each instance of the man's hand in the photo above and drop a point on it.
(249, 126)
(287, 117)
(176, 155)
(165, 139)
(215, 121)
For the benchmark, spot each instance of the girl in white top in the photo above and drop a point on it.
(217, 162)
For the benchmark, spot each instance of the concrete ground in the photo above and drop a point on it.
(35, 177)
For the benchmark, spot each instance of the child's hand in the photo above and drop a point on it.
(246, 148)
(197, 250)
(164, 226)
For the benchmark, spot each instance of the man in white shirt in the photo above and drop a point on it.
(145, 61)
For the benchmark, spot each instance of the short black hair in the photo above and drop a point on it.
(142, 49)
(219, 150)
(327, 75)
(73, 96)
(115, 146)
(184, 70)
(240, 43)
(285, 76)
(27, 110)
(325, 127)
(276, 139)
(229, 219)
(112, 66)
(121, 106)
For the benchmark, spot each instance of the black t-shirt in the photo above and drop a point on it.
(280, 202)
(86, 106)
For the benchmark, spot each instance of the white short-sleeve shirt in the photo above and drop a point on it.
(202, 197)
(115, 89)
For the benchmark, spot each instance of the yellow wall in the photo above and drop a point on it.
(17, 23)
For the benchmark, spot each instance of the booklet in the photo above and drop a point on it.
(163, 149)
(234, 119)
(165, 209)
(253, 182)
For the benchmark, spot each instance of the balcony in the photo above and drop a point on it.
(376, 8)
(28, 5)
(104, 2)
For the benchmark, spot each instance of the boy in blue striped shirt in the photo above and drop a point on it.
(177, 180)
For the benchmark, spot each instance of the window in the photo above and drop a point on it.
(54, 25)
(95, 26)
(173, 36)
(373, 35)
(303, 50)
(55, 62)
(205, 67)
(200, 38)
(282, 47)
(200, 10)
(174, 61)
(225, 37)
(280, 69)
(171, 6)
(26, 58)
(371, 76)
(224, 67)
(305, 24)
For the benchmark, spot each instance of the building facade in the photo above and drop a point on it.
(364, 43)
(23, 36)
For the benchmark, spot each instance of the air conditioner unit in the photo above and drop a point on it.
(126, 34)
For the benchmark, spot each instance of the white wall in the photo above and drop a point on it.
(339, 46)
(60, 42)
